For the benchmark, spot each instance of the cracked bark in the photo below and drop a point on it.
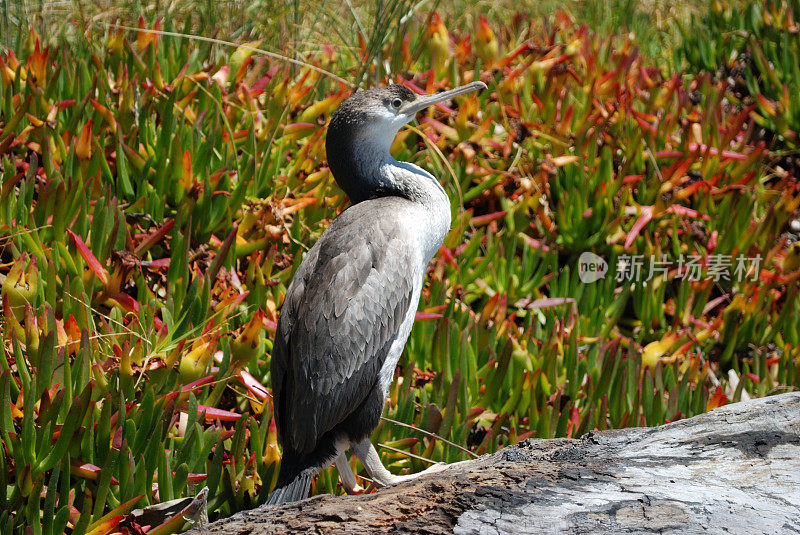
(733, 470)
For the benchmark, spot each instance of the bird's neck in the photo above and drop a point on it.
(403, 179)
(432, 221)
(366, 170)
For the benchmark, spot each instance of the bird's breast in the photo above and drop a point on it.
(428, 225)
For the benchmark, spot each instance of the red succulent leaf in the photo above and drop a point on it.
(644, 219)
(89, 258)
(154, 238)
(427, 316)
(213, 414)
(253, 385)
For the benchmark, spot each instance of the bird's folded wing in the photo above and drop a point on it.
(339, 319)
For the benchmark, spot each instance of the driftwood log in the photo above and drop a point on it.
(735, 469)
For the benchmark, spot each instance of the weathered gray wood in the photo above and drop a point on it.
(733, 470)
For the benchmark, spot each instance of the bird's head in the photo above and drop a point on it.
(363, 127)
(379, 113)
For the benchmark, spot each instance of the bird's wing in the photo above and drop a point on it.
(343, 309)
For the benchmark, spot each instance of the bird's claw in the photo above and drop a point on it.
(357, 490)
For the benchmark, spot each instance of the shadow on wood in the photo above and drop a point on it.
(735, 469)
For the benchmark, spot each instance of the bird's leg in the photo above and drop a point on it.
(379, 474)
(346, 475)
(381, 477)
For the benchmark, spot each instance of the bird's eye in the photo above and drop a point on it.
(396, 103)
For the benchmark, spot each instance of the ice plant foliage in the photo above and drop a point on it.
(154, 201)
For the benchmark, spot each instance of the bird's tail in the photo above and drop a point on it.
(296, 489)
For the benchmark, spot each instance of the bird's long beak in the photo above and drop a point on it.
(423, 101)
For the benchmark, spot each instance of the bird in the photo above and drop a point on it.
(349, 309)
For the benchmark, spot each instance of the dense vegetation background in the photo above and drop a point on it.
(162, 171)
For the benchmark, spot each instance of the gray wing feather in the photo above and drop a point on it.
(340, 315)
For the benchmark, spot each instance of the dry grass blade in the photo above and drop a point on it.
(213, 40)
(429, 434)
(407, 454)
